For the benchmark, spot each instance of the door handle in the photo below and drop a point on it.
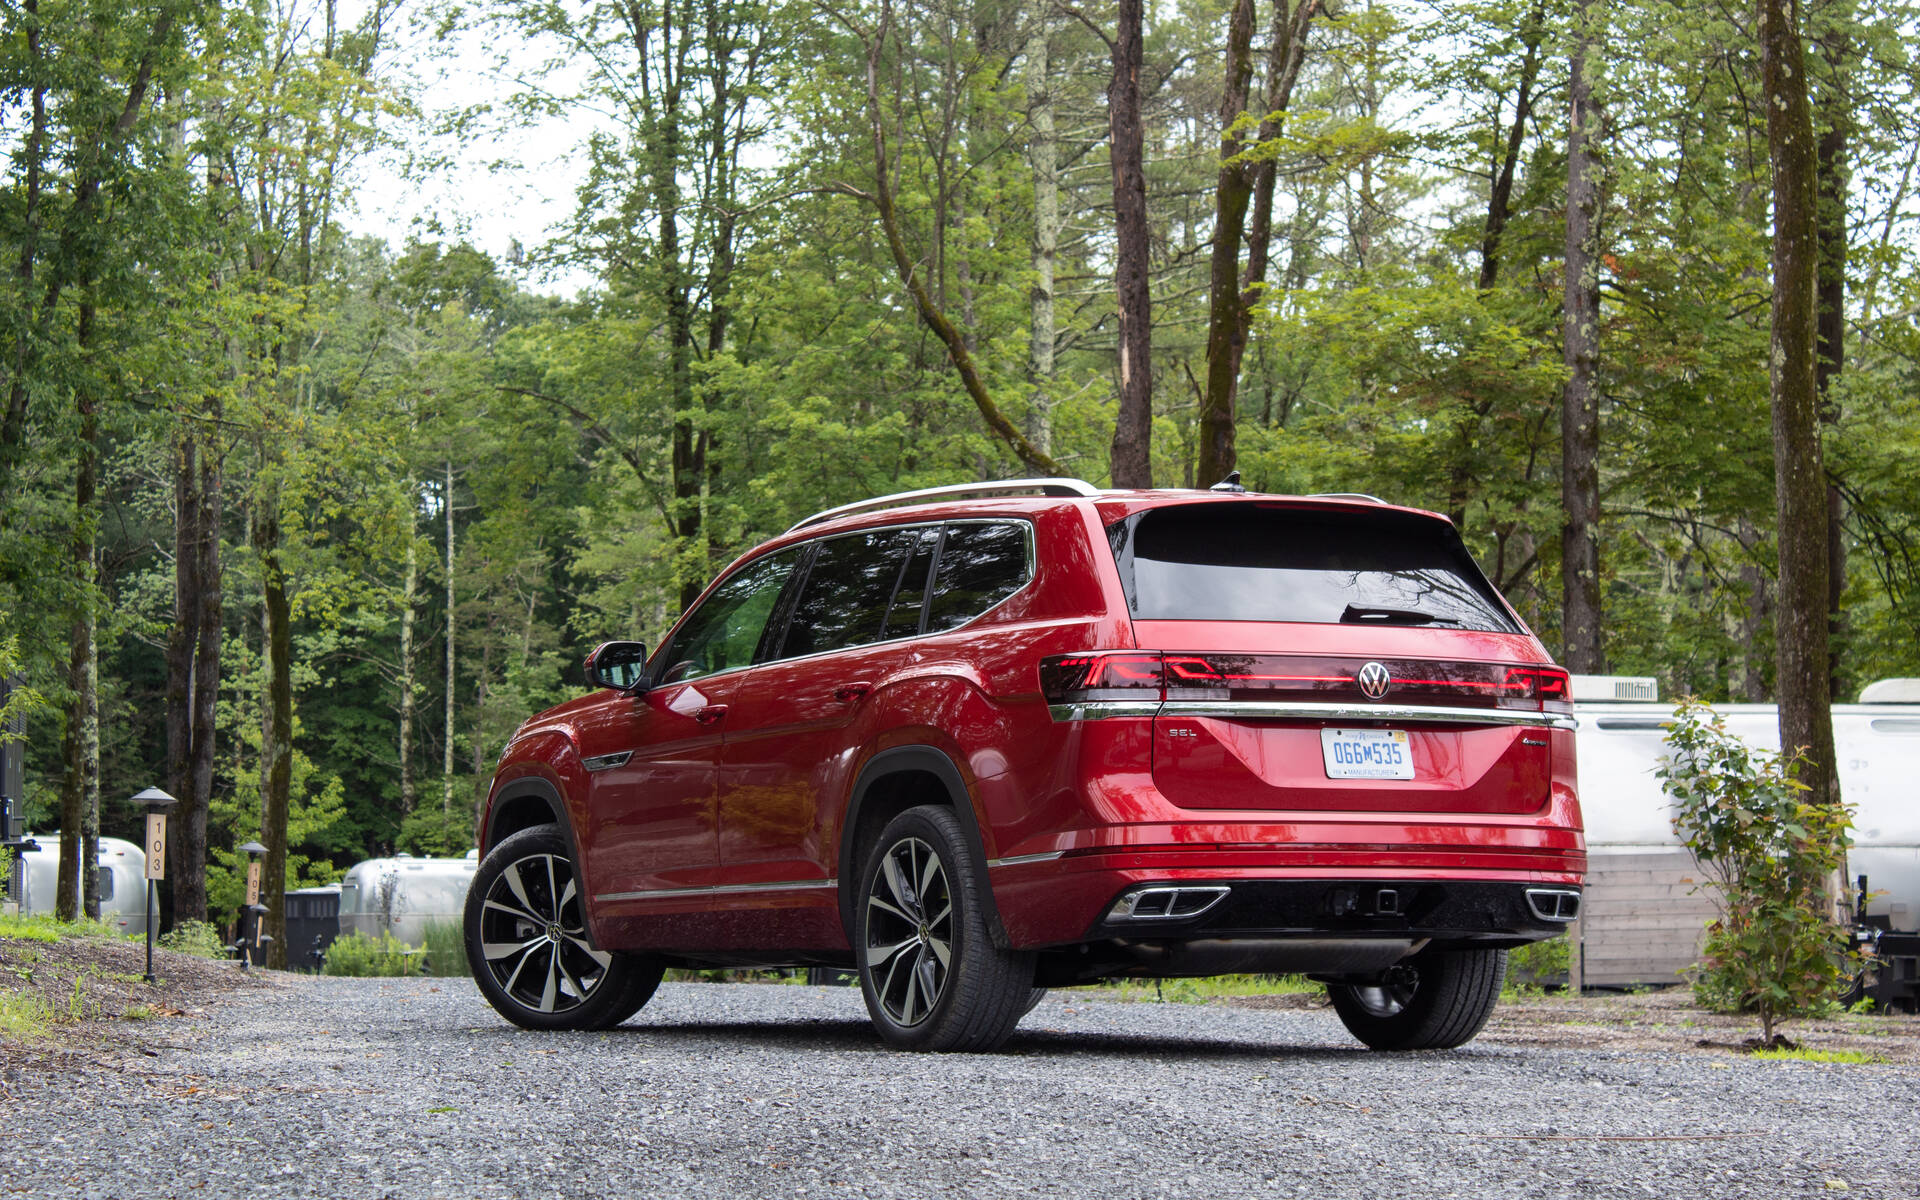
(847, 693)
(709, 714)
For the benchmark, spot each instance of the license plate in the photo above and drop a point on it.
(1367, 753)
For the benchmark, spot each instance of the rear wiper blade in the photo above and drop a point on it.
(1353, 614)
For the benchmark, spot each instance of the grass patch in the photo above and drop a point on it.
(1803, 1054)
(47, 929)
(25, 1016)
(1213, 987)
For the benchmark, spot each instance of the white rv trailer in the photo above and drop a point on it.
(1645, 912)
(123, 881)
(402, 895)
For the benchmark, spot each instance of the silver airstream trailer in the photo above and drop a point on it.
(1645, 914)
(403, 895)
(123, 882)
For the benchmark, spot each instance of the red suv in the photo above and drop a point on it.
(976, 742)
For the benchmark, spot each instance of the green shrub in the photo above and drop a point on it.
(1535, 965)
(197, 938)
(1776, 950)
(446, 949)
(362, 957)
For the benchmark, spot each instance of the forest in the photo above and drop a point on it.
(299, 525)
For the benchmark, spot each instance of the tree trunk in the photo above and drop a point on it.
(191, 818)
(276, 740)
(409, 595)
(1132, 283)
(1286, 52)
(446, 749)
(1580, 404)
(1043, 156)
(1830, 224)
(1232, 194)
(1500, 194)
(1800, 497)
(179, 654)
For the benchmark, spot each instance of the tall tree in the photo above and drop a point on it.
(1133, 253)
(1043, 156)
(1800, 486)
(955, 339)
(1580, 400)
(1245, 182)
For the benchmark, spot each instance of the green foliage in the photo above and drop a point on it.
(1776, 950)
(1530, 968)
(198, 938)
(47, 928)
(362, 957)
(445, 949)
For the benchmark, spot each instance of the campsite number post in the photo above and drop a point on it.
(156, 802)
(254, 908)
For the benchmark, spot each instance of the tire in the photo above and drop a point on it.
(1033, 1000)
(1433, 1001)
(527, 942)
(931, 975)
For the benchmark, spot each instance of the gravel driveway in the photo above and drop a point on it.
(414, 1088)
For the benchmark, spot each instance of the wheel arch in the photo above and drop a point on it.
(528, 802)
(892, 782)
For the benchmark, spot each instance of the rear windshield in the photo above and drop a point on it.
(1219, 562)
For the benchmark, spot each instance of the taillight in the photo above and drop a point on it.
(1547, 685)
(1078, 678)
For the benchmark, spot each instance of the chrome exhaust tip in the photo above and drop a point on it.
(1166, 903)
(1554, 904)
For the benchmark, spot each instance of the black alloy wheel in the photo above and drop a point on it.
(931, 975)
(527, 942)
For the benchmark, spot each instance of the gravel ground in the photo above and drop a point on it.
(414, 1088)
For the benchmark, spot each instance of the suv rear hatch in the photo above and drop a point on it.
(1332, 657)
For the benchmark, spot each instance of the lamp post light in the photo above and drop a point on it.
(156, 802)
(243, 944)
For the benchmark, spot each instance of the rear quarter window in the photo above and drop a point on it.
(1220, 562)
(980, 564)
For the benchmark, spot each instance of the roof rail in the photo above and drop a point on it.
(957, 491)
(1346, 496)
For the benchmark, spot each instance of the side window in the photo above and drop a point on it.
(903, 615)
(848, 588)
(980, 565)
(725, 630)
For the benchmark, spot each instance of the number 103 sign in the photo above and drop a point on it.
(156, 845)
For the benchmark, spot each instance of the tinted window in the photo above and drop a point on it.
(725, 630)
(903, 617)
(979, 566)
(1228, 563)
(844, 601)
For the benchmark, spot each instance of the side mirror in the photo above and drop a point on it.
(618, 665)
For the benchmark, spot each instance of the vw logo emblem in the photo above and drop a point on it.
(1373, 680)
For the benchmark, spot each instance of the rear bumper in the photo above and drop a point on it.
(1448, 906)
